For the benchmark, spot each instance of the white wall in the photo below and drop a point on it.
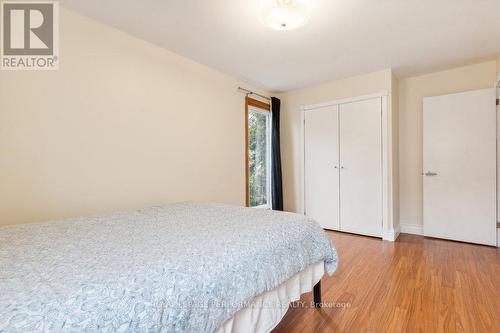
(498, 152)
(122, 124)
(411, 93)
(292, 158)
(498, 148)
(395, 151)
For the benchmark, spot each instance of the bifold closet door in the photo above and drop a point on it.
(321, 154)
(361, 167)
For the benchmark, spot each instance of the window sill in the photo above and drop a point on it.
(262, 207)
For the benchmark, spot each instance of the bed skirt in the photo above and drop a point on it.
(266, 311)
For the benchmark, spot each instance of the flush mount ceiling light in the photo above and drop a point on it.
(285, 14)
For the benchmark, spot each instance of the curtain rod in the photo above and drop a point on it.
(249, 92)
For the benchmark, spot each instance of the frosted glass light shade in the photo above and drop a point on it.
(286, 14)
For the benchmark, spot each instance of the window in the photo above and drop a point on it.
(258, 154)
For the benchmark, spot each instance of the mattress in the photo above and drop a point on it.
(186, 267)
(267, 310)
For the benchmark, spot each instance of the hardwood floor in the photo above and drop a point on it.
(415, 284)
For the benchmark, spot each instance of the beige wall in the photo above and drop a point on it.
(122, 124)
(291, 123)
(139, 125)
(498, 64)
(411, 93)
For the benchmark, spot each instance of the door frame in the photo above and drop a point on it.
(389, 232)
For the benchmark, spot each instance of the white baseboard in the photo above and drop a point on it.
(418, 229)
(414, 229)
(391, 235)
(498, 237)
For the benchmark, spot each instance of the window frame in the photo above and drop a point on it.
(265, 108)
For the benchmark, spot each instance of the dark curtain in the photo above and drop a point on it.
(276, 183)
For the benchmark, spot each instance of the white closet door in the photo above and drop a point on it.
(460, 167)
(361, 167)
(321, 166)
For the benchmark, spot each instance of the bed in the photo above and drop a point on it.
(185, 267)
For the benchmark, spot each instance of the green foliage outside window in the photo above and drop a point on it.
(257, 143)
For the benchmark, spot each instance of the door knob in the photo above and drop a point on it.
(428, 173)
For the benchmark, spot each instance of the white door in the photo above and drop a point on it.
(361, 167)
(460, 167)
(321, 156)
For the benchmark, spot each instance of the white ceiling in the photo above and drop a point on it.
(342, 39)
